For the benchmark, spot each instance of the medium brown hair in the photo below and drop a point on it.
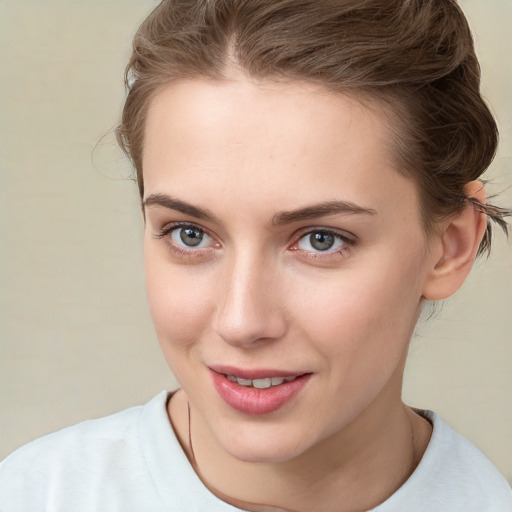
(415, 57)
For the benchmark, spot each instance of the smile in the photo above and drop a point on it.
(265, 383)
(257, 392)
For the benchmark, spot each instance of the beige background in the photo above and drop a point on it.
(76, 338)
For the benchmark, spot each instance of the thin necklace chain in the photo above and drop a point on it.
(259, 506)
(219, 494)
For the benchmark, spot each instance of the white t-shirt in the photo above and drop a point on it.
(132, 462)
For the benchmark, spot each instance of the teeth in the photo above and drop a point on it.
(260, 383)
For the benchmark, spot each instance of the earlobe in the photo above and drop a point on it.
(456, 247)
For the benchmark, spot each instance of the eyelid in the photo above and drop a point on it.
(349, 239)
(166, 231)
(343, 251)
(345, 235)
(171, 226)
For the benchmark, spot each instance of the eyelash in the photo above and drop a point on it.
(166, 231)
(347, 242)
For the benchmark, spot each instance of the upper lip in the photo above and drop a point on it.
(254, 373)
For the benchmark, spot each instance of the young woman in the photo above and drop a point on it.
(309, 177)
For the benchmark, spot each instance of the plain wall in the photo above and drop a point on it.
(76, 339)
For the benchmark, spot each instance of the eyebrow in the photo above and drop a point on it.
(320, 210)
(279, 219)
(180, 206)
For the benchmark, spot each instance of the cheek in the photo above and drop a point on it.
(363, 317)
(179, 312)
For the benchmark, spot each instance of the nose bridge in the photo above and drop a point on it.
(248, 308)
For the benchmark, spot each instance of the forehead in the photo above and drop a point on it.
(290, 143)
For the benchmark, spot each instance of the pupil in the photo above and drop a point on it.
(321, 241)
(191, 237)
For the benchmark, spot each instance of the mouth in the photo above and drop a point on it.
(265, 383)
(257, 391)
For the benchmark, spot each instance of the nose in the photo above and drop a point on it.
(249, 308)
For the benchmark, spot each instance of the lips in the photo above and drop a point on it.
(264, 383)
(257, 391)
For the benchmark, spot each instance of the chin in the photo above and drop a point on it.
(265, 447)
(262, 455)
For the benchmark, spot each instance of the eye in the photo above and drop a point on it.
(189, 237)
(321, 240)
(186, 239)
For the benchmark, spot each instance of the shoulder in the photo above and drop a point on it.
(466, 467)
(79, 438)
(452, 475)
(94, 455)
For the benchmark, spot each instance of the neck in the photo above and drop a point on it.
(359, 467)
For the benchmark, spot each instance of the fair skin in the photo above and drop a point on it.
(330, 295)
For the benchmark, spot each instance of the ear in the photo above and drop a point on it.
(454, 251)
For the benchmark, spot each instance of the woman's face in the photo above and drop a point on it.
(280, 242)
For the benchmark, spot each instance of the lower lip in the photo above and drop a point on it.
(251, 400)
